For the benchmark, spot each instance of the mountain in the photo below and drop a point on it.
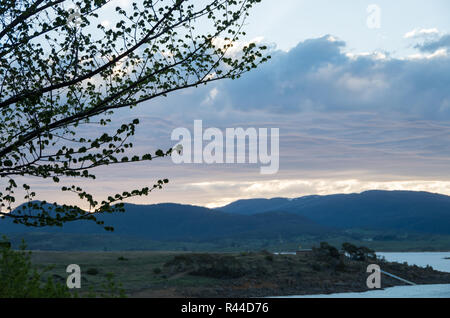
(186, 223)
(379, 210)
(254, 206)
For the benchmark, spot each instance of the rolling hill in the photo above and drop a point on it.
(184, 222)
(271, 219)
(381, 210)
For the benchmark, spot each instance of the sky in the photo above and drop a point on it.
(359, 91)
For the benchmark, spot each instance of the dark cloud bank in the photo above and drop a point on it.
(318, 76)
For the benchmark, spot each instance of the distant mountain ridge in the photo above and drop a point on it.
(405, 211)
(376, 209)
(185, 222)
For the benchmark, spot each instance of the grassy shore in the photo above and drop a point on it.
(389, 242)
(175, 274)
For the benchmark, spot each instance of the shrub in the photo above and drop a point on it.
(157, 270)
(18, 279)
(361, 253)
(113, 289)
(326, 251)
(340, 267)
(211, 265)
(92, 271)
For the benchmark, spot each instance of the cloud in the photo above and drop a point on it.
(211, 96)
(431, 46)
(234, 48)
(105, 23)
(293, 188)
(421, 33)
(318, 75)
(437, 53)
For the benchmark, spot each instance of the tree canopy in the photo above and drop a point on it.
(62, 69)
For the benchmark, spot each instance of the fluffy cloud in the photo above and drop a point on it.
(421, 33)
(318, 75)
(432, 46)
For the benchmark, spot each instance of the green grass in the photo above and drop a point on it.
(137, 273)
(111, 242)
(244, 274)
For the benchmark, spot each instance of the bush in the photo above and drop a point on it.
(326, 251)
(222, 267)
(340, 267)
(121, 258)
(157, 270)
(92, 271)
(113, 289)
(211, 265)
(18, 279)
(361, 253)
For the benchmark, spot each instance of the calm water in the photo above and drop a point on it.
(436, 260)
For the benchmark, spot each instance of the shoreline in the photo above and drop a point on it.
(309, 276)
(372, 293)
(233, 275)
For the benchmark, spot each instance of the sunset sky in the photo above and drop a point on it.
(358, 108)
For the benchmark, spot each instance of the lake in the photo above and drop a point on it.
(435, 259)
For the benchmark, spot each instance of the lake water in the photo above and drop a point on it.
(436, 260)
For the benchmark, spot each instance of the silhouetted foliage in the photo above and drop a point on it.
(325, 250)
(61, 70)
(361, 253)
(92, 271)
(18, 278)
(214, 266)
